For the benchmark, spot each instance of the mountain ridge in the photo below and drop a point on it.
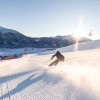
(10, 38)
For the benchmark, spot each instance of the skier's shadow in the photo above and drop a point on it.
(11, 77)
(49, 79)
(45, 77)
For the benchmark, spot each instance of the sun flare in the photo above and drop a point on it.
(80, 31)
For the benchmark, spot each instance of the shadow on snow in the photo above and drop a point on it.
(71, 91)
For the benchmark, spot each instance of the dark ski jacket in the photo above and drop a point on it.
(59, 56)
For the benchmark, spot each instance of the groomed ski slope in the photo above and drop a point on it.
(29, 78)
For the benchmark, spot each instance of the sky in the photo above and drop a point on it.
(43, 18)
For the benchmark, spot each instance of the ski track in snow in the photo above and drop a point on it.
(28, 78)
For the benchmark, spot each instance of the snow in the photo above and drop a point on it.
(29, 50)
(5, 30)
(29, 78)
(81, 46)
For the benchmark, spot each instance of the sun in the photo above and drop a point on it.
(77, 35)
(78, 32)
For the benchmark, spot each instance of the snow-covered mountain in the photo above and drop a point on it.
(7, 31)
(12, 39)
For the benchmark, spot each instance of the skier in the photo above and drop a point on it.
(59, 56)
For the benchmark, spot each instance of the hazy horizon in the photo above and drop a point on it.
(51, 17)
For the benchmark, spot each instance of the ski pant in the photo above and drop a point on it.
(55, 62)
